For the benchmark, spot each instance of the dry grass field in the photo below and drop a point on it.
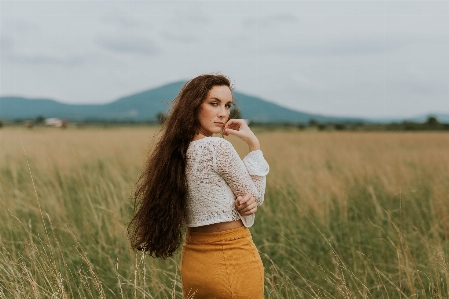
(346, 215)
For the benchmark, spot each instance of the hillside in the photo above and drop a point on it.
(144, 106)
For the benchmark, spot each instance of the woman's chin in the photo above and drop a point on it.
(212, 131)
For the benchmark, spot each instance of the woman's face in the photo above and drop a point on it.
(215, 109)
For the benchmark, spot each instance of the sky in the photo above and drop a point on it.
(341, 58)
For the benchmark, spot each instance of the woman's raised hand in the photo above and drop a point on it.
(239, 128)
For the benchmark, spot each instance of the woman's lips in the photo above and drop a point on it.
(219, 123)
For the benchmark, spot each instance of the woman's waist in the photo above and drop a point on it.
(211, 215)
(217, 227)
(217, 236)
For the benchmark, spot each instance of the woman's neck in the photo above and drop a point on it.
(199, 136)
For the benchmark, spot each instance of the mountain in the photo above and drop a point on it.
(138, 107)
(144, 106)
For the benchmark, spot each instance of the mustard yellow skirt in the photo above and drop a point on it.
(222, 264)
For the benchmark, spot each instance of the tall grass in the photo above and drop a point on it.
(346, 215)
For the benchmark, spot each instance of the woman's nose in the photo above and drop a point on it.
(222, 112)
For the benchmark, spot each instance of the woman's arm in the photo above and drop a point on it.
(254, 161)
(242, 176)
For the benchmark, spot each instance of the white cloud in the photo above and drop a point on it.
(48, 60)
(6, 43)
(269, 20)
(128, 44)
(305, 82)
(126, 22)
(17, 26)
(181, 37)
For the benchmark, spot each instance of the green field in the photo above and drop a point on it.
(346, 215)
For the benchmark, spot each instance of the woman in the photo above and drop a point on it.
(191, 180)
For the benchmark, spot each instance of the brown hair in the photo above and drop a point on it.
(161, 191)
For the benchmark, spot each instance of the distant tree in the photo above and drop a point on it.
(301, 126)
(161, 117)
(411, 126)
(39, 120)
(1, 124)
(321, 127)
(394, 126)
(313, 123)
(235, 113)
(340, 127)
(432, 121)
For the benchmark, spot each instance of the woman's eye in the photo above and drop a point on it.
(214, 103)
(228, 106)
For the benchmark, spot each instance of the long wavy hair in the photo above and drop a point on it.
(161, 191)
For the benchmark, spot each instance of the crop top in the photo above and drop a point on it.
(216, 176)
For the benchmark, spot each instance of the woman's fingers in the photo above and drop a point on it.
(251, 200)
(245, 201)
(250, 211)
(237, 202)
(234, 123)
(234, 126)
(239, 132)
(245, 208)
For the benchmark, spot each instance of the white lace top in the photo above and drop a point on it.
(216, 176)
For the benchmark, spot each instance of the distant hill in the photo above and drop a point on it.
(144, 106)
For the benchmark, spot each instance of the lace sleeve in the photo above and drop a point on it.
(242, 176)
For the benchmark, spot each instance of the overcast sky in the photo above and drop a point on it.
(345, 58)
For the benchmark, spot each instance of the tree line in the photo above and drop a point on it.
(431, 124)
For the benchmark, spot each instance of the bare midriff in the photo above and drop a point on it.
(217, 227)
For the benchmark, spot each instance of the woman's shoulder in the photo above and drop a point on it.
(216, 144)
(212, 140)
